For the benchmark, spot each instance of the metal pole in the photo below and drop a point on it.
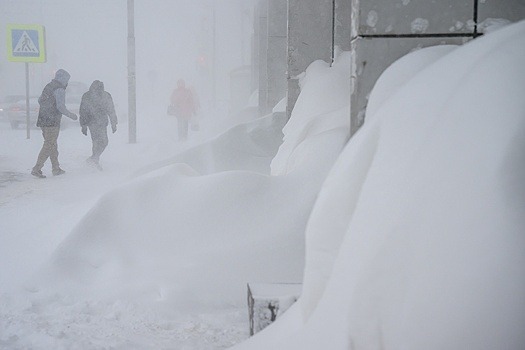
(28, 134)
(132, 84)
(243, 12)
(214, 68)
(334, 23)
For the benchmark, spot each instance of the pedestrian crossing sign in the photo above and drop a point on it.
(25, 43)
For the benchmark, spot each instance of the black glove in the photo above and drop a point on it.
(114, 128)
(84, 130)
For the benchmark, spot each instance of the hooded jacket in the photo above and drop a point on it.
(97, 106)
(53, 101)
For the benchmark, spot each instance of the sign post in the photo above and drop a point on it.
(26, 43)
(132, 79)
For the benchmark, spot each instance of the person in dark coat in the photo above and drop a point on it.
(52, 103)
(96, 112)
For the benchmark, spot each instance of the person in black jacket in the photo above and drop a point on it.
(95, 109)
(52, 103)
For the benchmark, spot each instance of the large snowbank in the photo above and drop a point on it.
(417, 238)
(183, 238)
(247, 146)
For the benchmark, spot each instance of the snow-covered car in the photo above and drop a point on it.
(16, 112)
(5, 103)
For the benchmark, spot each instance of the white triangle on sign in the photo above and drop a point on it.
(25, 45)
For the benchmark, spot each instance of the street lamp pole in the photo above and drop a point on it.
(132, 83)
(214, 62)
(28, 123)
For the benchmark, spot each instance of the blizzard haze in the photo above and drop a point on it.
(174, 39)
(409, 235)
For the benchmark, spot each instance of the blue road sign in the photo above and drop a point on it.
(25, 43)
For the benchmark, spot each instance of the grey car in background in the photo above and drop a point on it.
(5, 102)
(16, 112)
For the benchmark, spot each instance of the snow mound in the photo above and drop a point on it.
(400, 72)
(317, 110)
(246, 146)
(188, 236)
(416, 241)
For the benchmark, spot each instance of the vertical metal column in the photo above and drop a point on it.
(214, 55)
(255, 59)
(132, 84)
(262, 10)
(28, 121)
(342, 15)
(263, 56)
(277, 53)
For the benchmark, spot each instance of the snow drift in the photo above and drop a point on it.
(189, 235)
(247, 146)
(417, 238)
(320, 82)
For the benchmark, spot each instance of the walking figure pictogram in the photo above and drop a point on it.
(25, 44)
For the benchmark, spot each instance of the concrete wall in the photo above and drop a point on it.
(512, 10)
(383, 31)
(270, 45)
(412, 17)
(310, 37)
(262, 41)
(377, 32)
(342, 15)
(277, 46)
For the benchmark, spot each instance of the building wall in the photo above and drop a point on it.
(262, 41)
(270, 38)
(310, 38)
(383, 31)
(512, 10)
(342, 15)
(277, 46)
(377, 32)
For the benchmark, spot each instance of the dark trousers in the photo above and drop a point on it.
(99, 136)
(182, 126)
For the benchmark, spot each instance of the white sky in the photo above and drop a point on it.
(89, 38)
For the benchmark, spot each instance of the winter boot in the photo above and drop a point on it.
(94, 163)
(58, 171)
(38, 173)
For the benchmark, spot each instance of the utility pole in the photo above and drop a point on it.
(243, 13)
(214, 62)
(28, 122)
(132, 83)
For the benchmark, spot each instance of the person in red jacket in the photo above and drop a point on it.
(183, 106)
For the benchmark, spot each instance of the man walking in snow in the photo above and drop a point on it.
(52, 103)
(96, 111)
